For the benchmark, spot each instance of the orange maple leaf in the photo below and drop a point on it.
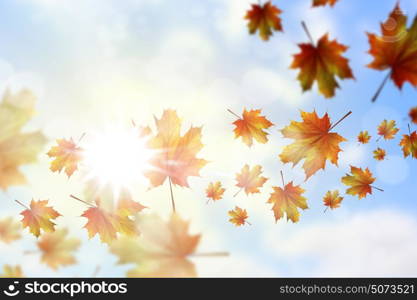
(313, 142)
(9, 230)
(360, 182)
(176, 155)
(324, 2)
(57, 249)
(322, 63)
(395, 49)
(388, 130)
(364, 137)
(238, 216)
(379, 154)
(162, 250)
(251, 126)
(12, 272)
(38, 217)
(67, 156)
(250, 179)
(413, 115)
(264, 18)
(409, 144)
(215, 191)
(332, 199)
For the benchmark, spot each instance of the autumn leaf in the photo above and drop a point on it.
(360, 182)
(12, 272)
(409, 144)
(175, 156)
(238, 216)
(38, 217)
(215, 191)
(67, 156)
(57, 250)
(313, 142)
(395, 50)
(413, 115)
(332, 199)
(251, 126)
(17, 148)
(322, 63)
(364, 137)
(9, 230)
(387, 129)
(250, 179)
(162, 250)
(324, 2)
(379, 154)
(264, 18)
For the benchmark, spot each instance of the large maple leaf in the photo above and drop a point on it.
(250, 179)
(313, 142)
(175, 156)
(162, 250)
(39, 217)
(9, 230)
(264, 18)
(395, 50)
(57, 249)
(67, 156)
(17, 148)
(360, 182)
(322, 63)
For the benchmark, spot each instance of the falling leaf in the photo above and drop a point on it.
(250, 179)
(388, 130)
(395, 49)
(176, 155)
(67, 156)
(324, 2)
(39, 217)
(215, 191)
(332, 199)
(413, 115)
(9, 230)
(57, 250)
(238, 216)
(409, 144)
(251, 126)
(379, 154)
(17, 148)
(360, 182)
(322, 63)
(162, 250)
(364, 137)
(264, 18)
(313, 142)
(12, 272)
(287, 201)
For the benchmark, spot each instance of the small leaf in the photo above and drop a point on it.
(324, 2)
(409, 144)
(250, 179)
(67, 156)
(215, 191)
(413, 115)
(9, 230)
(39, 217)
(359, 181)
(264, 18)
(364, 137)
(12, 272)
(388, 130)
(379, 154)
(238, 216)
(251, 126)
(332, 199)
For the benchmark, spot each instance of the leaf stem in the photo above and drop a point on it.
(237, 193)
(210, 254)
(81, 137)
(326, 209)
(409, 129)
(377, 188)
(17, 201)
(172, 195)
(249, 223)
(310, 37)
(379, 90)
(338, 122)
(85, 202)
(282, 178)
(236, 115)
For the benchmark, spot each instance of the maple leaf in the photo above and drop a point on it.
(57, 249)
(322, 63)
(162, 250)
(395, 49)
(264, 18)
(9, 230)
(313, 142)
(12, 271)
(17, 148)
(364, 137)
(215, 191)
(379, 154)
(413, 115)
(359, 181)
(288, 200)
(38, 217)
(250, 179)
(409, 144)
(251, 126)
(332, 199)
(238, 216)
(324, 2)
(387, 129)
(67, 156)
(176, 155)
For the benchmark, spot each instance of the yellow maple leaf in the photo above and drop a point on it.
(360, 182)
(12, 272)
(387, 129)
(238, 216)
(250, 179)
(379, 154)
(332, 199)
(9, 230)
(38, 217)
(67, 156)
(364, 137)
(215, 191)
(409, 144)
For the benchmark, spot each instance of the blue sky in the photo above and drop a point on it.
(95, 64)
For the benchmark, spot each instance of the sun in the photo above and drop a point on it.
(117, 157)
